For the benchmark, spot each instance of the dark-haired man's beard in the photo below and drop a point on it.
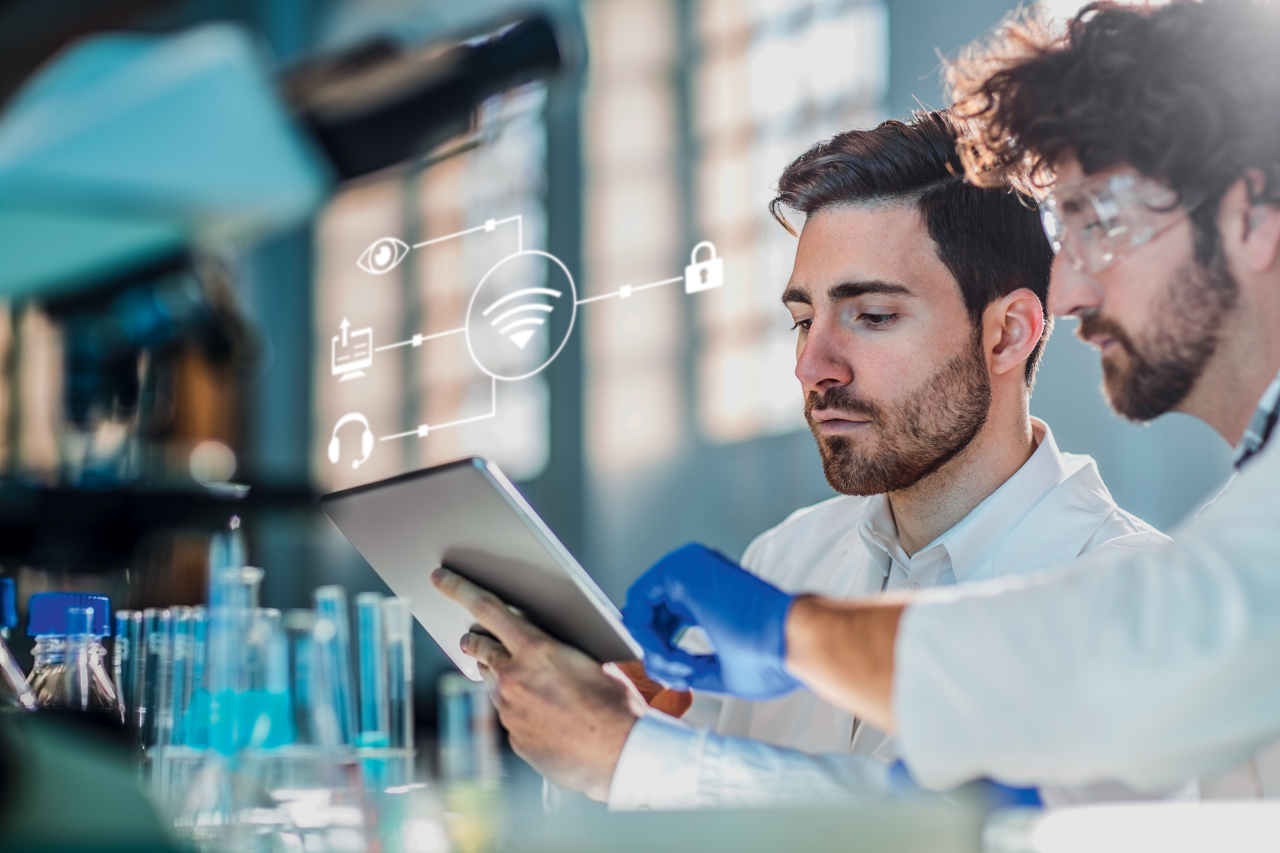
(913, 436)
(1158, 371)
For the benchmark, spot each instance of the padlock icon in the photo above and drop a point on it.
(703, 275)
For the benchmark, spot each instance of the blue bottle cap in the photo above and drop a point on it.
(8, 603)
(48, 612)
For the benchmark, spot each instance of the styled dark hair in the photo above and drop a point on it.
(1187, 93)
(989, 238)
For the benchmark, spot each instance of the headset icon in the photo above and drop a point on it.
(366, 439)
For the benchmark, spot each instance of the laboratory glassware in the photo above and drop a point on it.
(371, 643)
(397, 624)
(335, 707)
(127, 660)
(69, 669)
(156, 709)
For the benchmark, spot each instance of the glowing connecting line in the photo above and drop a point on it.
(514, 319)
(626, 290)
(419, 340)
(489, 225)
(424, 429)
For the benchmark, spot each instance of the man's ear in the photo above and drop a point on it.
(1012, 327)
(1254, 227)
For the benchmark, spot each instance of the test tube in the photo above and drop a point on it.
(397, 624)
(373, 670)
(182, 648)
(124, 653)
(137, 676)
(158, 704)
(332, 636)
(298, 626)
(264, 721)
(195, 723)
(235, 590)
(468, 733)
(279, 699)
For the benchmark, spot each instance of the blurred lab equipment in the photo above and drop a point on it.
(70, 661)
(373, 671)
(8, 607)
(397, 622)
(332, 646)
(133, 169)
(470, 764)
(242, 715)
(469, 750)
(15, 692)
(380, 104)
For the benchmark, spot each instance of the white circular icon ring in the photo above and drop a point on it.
(519, 339)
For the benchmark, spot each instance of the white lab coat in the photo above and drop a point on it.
(1137, 666)
(796, 749)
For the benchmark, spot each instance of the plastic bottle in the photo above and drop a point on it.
(70, 667)
(15, 692)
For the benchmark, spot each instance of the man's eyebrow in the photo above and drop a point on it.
(853, 289)
(846, 290)
(796, 294)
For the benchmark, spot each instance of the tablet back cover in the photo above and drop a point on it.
(467, 516)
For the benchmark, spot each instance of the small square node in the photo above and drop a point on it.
(490, 224)
(626, 291)
(417, 340)
(423, 430)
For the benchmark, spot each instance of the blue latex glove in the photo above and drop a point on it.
(743, 616)
(986, 794)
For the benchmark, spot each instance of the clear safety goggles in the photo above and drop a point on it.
(1099, 222)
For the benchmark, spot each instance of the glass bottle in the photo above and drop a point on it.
(70, 662)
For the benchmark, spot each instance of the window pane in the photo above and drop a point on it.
(457, 220)
(776, 76)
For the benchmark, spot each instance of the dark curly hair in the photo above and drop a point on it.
(1187, 93)
(989, 238)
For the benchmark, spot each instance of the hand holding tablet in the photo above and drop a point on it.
(468, 517)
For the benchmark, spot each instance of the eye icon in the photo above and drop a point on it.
(383, 256)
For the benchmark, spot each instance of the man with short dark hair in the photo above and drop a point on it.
(1156, 131)
(918, 305)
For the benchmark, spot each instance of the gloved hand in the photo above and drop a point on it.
(743, 616)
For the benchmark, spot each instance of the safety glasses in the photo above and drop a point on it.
(1098, 222)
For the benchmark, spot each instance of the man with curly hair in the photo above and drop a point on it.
(1152, 134)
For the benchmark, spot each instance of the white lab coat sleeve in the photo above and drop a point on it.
(667, 765)
(1132, 666)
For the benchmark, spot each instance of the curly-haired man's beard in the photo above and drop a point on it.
(913, 437)
(1162, 367)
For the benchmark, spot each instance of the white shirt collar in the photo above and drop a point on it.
(973, 540)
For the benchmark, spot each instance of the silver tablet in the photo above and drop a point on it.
(468, 517)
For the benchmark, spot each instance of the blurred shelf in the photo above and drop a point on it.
(101, 530)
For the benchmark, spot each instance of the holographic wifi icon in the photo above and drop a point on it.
(521, 329)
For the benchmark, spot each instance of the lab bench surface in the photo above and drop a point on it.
(867, 829)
